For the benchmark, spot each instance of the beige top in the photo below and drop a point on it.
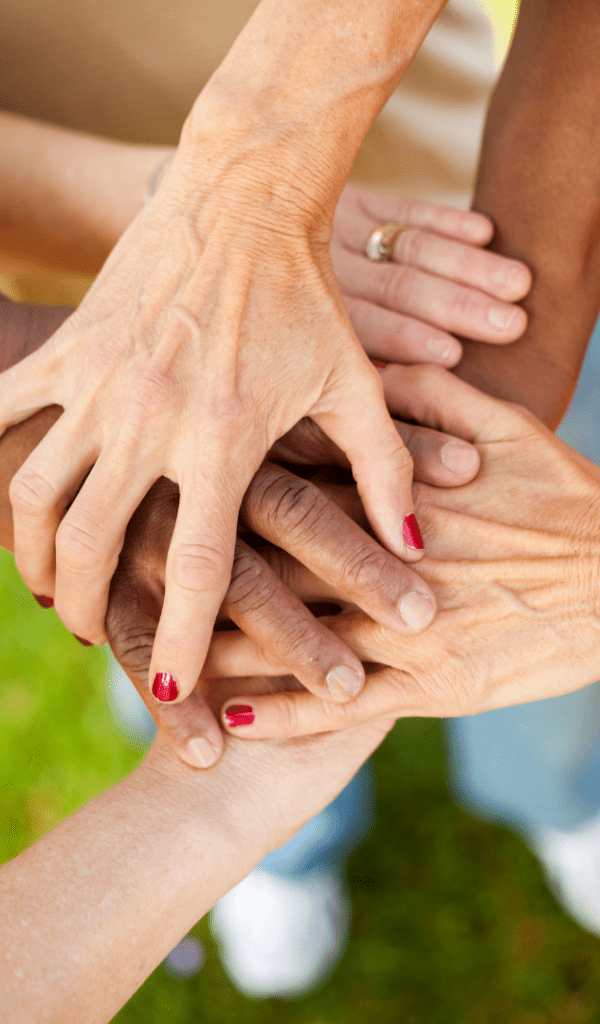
(131, 69)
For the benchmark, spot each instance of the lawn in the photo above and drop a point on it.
(452, 921)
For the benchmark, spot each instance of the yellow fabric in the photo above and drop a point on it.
(130, 70)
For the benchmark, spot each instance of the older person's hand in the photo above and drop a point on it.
(216, 325)
(514, 560)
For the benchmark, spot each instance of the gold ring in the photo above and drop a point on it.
(380, 246)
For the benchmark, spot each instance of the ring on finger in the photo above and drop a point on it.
(380, 244)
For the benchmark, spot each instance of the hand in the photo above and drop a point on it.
(200, 343)
(513, 559)
(440, 284)
(293, 514)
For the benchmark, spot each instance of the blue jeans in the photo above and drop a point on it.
(538, 764)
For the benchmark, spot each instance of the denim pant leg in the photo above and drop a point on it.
(329, 838)
(538, 764)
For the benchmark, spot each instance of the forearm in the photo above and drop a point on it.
(92, 908)
(67, 197)
(304, 81)
(23, 328)
(539, 180)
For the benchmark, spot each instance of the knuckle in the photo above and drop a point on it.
(366, 571)
(252, 586)
(302, 644)
(288, 714)
(79, 543)
(286, 503)
(30, 493)
(395, 287)
(410, 245)
(151, 394)
(199, 566)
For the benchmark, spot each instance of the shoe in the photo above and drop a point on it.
(186, 959)
(278, 937)
(571, 863)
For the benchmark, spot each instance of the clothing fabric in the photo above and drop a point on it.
(132, 69)
(131, 72)
(538, 765)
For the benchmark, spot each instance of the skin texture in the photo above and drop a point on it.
(256, 600)
(190, 356)
(514, 559)
(539, 179)
(92, 908)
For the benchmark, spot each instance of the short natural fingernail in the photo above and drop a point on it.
(343, 681)
(44, 602)
(514, 277)
(459, 458)
(502, 319)
(86, 643)
(417, 610)
(239, 714)
(412, 533)
(201, 753)
(165, 687)
(443, 349)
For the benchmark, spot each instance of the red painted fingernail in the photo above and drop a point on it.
(380, 366)
(164, 687)
(86, 643)
(412, 533)
(44, 602)
(239, 714)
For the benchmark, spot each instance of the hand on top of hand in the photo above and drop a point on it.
(209, 333)
(512, 557)
(295, 515)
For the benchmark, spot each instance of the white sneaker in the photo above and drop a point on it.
(571, 863)
(279, 938)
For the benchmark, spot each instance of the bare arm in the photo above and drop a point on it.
(539, 180)
(66, 197)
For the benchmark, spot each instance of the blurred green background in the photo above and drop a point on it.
(452, 921)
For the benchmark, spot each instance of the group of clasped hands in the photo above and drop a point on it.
(291, 527)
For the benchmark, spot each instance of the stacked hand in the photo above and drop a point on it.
(192, 355)
(513, 557)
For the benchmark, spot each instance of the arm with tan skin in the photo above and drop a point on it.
(539, 179)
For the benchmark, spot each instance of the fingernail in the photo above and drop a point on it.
(343, 681)
(239, 714)
(510, 277)
(86, 643)
(201, 752)
(443, 349)
(164, 687)
(44, 602)
(378, 364)
(502, 319)
(416, 610)
(412, 533)
(459, 458)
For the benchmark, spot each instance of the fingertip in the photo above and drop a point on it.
(238, 716)
(344, 683)
(514, 281)
(445, 350)
(417, 610)
(200, 752)
(462, 459)
(478, 228)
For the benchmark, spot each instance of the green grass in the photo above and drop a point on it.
(452, 921)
